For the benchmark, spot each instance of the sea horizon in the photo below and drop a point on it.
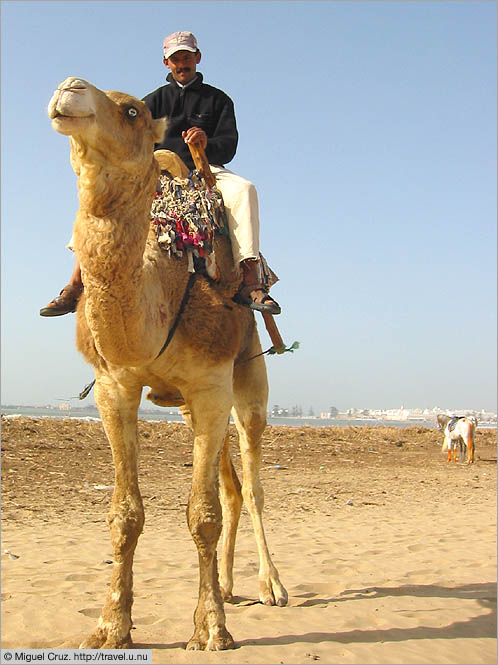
(165, 415)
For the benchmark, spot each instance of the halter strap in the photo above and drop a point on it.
(183, 303)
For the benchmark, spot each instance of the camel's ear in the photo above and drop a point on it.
(159, 129)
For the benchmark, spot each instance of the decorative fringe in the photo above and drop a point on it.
(187, 214)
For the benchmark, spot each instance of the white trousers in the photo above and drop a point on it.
(241, 205)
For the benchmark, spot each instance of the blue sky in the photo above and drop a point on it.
(369, 129)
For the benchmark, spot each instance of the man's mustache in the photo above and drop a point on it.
(182, 70)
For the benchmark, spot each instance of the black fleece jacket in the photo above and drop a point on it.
(197, 105)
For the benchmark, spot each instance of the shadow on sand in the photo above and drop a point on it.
(481, 626)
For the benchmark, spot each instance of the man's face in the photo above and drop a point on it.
(183, 65)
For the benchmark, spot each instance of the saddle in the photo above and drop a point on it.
(190, 217)
(171, 164)
(453, 422)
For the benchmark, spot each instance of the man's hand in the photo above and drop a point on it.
(195, 135)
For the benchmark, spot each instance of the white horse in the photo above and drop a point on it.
(459, 432)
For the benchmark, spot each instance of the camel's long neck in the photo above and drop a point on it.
(110, 235)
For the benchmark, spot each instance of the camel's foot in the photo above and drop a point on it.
(107, 638)
(272, 592)
(226, 595)
(217, 640)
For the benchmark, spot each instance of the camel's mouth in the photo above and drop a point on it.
(64, 116)
(71, 106)
(70, 124)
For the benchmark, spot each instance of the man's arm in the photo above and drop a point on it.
(220, 148)
(222, 145)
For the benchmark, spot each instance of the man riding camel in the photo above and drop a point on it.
(200, 113)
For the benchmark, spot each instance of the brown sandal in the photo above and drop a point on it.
(64, 303)
(244, 296)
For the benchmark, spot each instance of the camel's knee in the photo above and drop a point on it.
(256, 424)
(204, 521)
(251, 419)
(126, 523)
(205, 535)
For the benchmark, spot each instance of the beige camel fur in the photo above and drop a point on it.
(132, 293)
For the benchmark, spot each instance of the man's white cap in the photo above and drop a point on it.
(179, 41)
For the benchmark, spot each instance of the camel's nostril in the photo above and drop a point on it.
(72, 83)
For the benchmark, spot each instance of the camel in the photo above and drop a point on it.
(132, 292)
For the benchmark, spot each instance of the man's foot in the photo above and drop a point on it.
(257, 298)
(64, 303)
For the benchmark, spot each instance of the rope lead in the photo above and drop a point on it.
(271, 351)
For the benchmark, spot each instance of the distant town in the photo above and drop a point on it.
(399, 415)
(402, 414)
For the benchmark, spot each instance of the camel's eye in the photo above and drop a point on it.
(132, 112)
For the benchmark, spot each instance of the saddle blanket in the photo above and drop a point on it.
(187, 214)
(453, 423)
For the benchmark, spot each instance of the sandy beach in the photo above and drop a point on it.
(387, 551)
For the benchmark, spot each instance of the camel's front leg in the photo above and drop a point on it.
(204, 517)
(118, 409)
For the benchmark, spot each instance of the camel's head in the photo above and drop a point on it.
(106, 127)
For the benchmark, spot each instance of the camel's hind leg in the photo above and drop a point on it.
(204, 511)
(118, 409)
(249, 412)
(231, 504)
